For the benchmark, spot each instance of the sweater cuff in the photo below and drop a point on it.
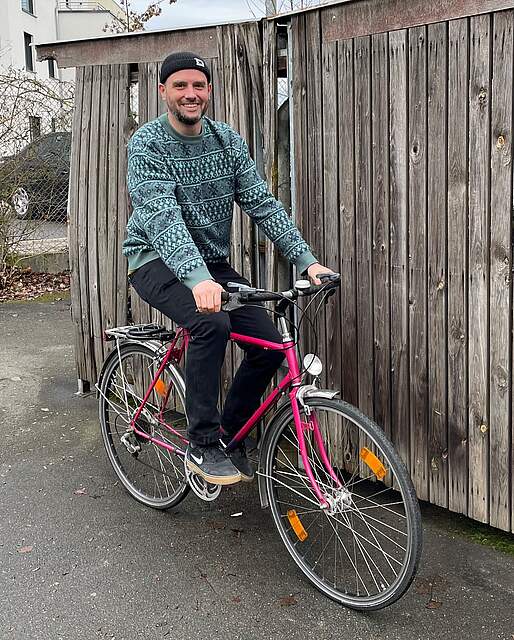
(196, 276)
(304, 261)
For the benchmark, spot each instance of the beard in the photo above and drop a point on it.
(185, 119)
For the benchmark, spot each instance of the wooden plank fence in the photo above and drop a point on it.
(412, 202)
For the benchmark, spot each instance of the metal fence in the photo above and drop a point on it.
(35, 145)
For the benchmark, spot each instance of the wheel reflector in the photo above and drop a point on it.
(161, 388)
(297, 526)
(373, 463)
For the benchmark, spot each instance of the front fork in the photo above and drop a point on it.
(311, 424)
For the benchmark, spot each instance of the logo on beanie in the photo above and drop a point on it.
(199, 63)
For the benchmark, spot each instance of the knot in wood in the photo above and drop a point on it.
(500, 142)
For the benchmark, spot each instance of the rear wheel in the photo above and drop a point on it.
(363, 550)
(151, 473)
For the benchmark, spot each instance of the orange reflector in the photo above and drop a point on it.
(161, 388)
(373, 463)
(297, 525)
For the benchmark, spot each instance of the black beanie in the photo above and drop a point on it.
(183, 60)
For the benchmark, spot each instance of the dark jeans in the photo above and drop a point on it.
(159, 286)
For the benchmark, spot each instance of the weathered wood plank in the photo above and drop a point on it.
(346, 214)
(112, 197)
(300, 170)
(155, 108)
(125, 129)
(74, 223)
(92, 224)
(127, 48)
(106, 277)
(458, 64)
(299, 115)
(418, 259)
(220, 109)
(245, 107)
(82, 221)
(315, 219)
(346, 132)
(479, 201)
(367, 17)
(141, 311)
(314, 133)
(362, 73)
(437, 253)
(398, 218)
(380, 228)
(153, 91)
(347, 258)
(500, 368)
(330, 112)
(271, 138)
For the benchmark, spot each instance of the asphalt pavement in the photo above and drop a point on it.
(80, 559)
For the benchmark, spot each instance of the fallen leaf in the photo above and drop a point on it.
(215, 524)
(433, 604)
(80, 492)
(238, 599)
(27, 549)
(423, 586)
(287, 601)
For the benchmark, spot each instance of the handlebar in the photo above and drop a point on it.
(330, 281)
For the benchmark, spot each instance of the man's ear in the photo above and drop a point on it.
(162, 91)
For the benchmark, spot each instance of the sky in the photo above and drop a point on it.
(190, 13)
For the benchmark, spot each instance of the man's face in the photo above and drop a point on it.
(187, 95)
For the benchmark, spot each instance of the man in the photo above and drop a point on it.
(184, 173)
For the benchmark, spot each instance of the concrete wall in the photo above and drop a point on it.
(77, 24)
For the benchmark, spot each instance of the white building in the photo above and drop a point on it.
(36, 98)
(27, 22)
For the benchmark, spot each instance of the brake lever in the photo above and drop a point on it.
(331, 277)
(235, 300)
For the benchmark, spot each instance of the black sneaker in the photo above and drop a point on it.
(212, 465)
(240, 461)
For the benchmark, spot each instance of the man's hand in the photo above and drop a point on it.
(314, 270)
(207, 295)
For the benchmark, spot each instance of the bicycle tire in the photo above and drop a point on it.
(153, 475)
(352, 522)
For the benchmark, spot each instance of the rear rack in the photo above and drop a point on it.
(140, 332)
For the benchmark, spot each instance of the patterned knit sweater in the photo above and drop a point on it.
(183, 190)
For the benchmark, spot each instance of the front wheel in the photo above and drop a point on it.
(363, 549)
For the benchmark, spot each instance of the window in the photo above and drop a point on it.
(51, 68)
(28, 6)
(35, 127)
(29, 60)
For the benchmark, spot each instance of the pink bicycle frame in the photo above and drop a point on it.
(292, 379)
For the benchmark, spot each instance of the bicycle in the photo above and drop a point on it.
(340, 496)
